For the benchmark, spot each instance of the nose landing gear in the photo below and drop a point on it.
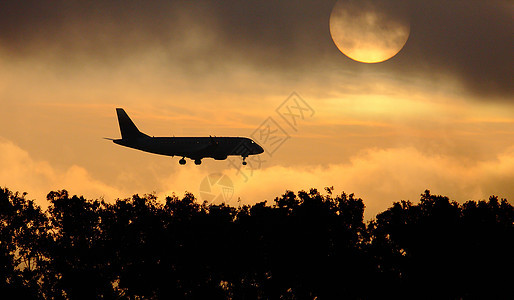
(244, 162)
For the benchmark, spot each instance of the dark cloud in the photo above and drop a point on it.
(84, 29)
(471, 40)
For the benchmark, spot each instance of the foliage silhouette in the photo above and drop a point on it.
(304, 246)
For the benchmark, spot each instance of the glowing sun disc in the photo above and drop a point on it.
(368, 31)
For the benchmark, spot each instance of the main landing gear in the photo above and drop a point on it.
(198, 161)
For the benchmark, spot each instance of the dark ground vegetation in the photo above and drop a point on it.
(305, 245)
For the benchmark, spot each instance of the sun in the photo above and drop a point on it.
(368, 31)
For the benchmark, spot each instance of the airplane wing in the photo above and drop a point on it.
(202, 150)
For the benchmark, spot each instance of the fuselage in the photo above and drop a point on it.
(194, 147)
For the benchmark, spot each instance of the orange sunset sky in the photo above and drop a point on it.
(439, 115)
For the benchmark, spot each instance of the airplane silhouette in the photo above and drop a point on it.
(195, 148)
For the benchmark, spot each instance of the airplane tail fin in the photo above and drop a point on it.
(127, 127)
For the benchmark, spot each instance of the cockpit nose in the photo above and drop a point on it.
(256, 148)
(259, 149)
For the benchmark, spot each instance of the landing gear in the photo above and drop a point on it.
(198, 161)
(244, 162)
(182, 161)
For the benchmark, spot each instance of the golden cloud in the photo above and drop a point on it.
(22, 173)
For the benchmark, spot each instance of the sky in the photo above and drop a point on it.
(438, 115)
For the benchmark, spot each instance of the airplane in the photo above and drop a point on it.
(194, 148)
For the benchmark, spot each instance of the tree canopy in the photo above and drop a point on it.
(304, 245)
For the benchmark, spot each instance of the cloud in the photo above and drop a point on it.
(378, 176)
(467, 40)
(382, 176)
(21, 173)
(471, 40)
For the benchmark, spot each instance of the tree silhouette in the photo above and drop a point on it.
(23, 245)
(304, 245)
(79, 254)
(457, 251)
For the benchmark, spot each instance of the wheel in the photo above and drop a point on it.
(182, 161)
(244, 163)
(198, 161)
